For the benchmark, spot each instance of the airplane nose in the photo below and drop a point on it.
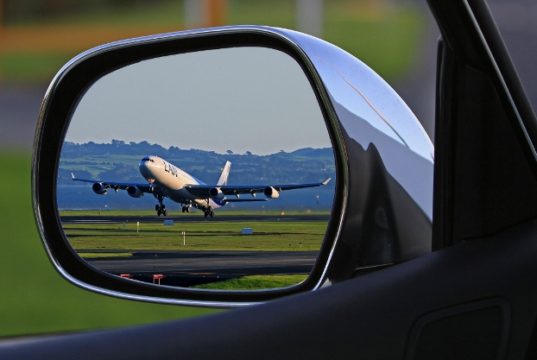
(145, 168)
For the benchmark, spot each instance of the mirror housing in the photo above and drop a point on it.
(382, 209)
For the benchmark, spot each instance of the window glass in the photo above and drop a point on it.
(516, 21)
(395, 38)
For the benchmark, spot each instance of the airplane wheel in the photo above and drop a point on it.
(164, 213)
(211, 214)
(160, 209)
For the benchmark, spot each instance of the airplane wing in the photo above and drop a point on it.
(204, 191)
(105, 185)
(241, 200)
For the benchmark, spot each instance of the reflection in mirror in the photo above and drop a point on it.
(212, 169)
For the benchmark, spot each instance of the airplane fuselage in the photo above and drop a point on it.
(171, 181)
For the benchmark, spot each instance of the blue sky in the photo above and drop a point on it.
(247, 98)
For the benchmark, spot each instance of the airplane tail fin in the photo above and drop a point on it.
(222, 181)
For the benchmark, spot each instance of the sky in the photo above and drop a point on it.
(240, 99)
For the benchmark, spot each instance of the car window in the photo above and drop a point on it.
(38, 37)
(516, 21)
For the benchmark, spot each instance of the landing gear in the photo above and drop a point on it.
(160, 208)
(185, 209)
(208, 212)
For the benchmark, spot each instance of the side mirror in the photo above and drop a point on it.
(327, 172)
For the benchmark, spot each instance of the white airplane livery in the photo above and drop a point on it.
(166, 180)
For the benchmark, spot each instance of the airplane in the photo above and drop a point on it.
(166, 180)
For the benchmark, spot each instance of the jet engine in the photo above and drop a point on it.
(98, 188)
(272, 193)
(216, 193)
(134, 191)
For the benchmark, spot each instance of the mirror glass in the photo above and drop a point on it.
(210, 169)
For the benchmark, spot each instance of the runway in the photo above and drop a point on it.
(187, 268)
(198, 217)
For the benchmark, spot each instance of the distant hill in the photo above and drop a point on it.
(118, 161)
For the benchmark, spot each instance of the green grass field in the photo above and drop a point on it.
(210, 235)
(120, 240)
(385, 38)
(256, 282)
(35, 299)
